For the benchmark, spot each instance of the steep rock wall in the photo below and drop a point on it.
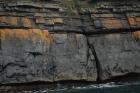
(118, 54)
(33, 59)
(40, 42)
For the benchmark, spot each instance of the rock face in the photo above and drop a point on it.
(118, 54)
(24, 60)
(30, 59)
(40, 42)
(69, 52)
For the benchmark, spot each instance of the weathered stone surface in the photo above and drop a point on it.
(80, 47)
(109, 16)
(70, 53)
(33, 59)
(24, 59)
(118, 54)
(15, 22)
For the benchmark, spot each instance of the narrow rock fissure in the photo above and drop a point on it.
(91, 46)
(96, 60)
(98, 66)
(52, 69)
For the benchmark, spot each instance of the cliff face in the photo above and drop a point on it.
(40, 42)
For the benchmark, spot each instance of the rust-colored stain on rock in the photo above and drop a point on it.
(26, 22)
(13, 21)
(26, 34)
(111, 23)
(132, 21)
(136, 34)
(8, 20)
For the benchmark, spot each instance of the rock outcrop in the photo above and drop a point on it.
(39, 41)
(29, 55)
(118, 54)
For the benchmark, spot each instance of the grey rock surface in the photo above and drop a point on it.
(70, 58)
(118, 54)
(24, 61)
(98, 42)
(65, 58)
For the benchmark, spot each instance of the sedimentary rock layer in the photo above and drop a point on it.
(39, 41)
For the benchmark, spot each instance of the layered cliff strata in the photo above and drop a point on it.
(40, 42)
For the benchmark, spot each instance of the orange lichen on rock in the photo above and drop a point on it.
(26, 34)
(8, 20)
(22, 33)
(111, 23)
(132, 21)
(27, 22)
(136, 34)
(6, 34)
(12, 20)
(40, 34)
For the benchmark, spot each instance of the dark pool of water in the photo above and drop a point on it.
(96, 88)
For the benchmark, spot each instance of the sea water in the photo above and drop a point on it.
(94, 88)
